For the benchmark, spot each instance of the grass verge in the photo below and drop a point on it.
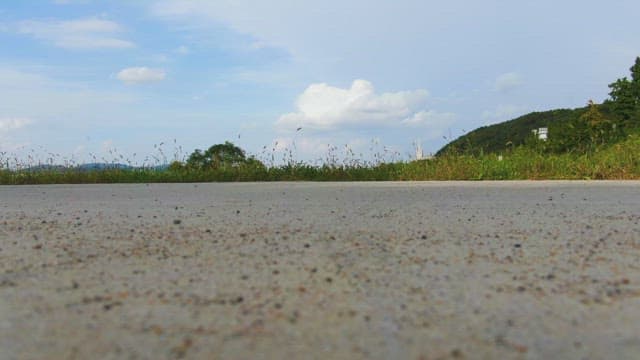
(617, 162)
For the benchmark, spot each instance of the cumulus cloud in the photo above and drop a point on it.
(9, 124)
(139, 75)
(324, 107)
(91, 33)
(507, 82)
(502, 113)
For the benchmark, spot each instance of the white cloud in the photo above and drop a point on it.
(507, 82)
(324, 107)
(502, 113)
(9, 124)
(139, 75)
(90, 33)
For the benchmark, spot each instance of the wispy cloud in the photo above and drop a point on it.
(90, 33)
(27, 94)
(10, 124)
(140, 75)
(430, 119)
(62, 110)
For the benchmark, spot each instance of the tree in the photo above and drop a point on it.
(625, 95)
(600, 130)
(635, 84)
(621, 94)
(584, 133)
(220, 156)
(569, 136)
(176, 166)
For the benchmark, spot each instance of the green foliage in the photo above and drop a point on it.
(622, 98)
(625, 96)
(176, 166)
(220, 156)
(569, 137)
(588, 132)
(600, 129)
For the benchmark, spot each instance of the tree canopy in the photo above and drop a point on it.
(625, 96)
(219, 156)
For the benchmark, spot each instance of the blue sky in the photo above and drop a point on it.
(83, 79)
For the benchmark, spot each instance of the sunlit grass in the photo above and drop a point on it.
(619, 161)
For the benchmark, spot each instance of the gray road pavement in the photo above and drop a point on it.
(521, 270)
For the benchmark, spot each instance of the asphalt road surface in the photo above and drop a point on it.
(480, 270)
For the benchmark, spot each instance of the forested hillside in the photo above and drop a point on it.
(509, 134)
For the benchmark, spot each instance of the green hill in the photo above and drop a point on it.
(498, 137)
(567, 128)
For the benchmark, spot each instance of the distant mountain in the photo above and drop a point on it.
(94, 167)
(46, 167)
(103, 166)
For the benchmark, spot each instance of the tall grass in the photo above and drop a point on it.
(619, 161)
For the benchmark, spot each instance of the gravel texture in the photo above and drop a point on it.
(488, 270)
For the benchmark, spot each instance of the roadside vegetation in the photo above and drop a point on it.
(618, 161)
(600, 141)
